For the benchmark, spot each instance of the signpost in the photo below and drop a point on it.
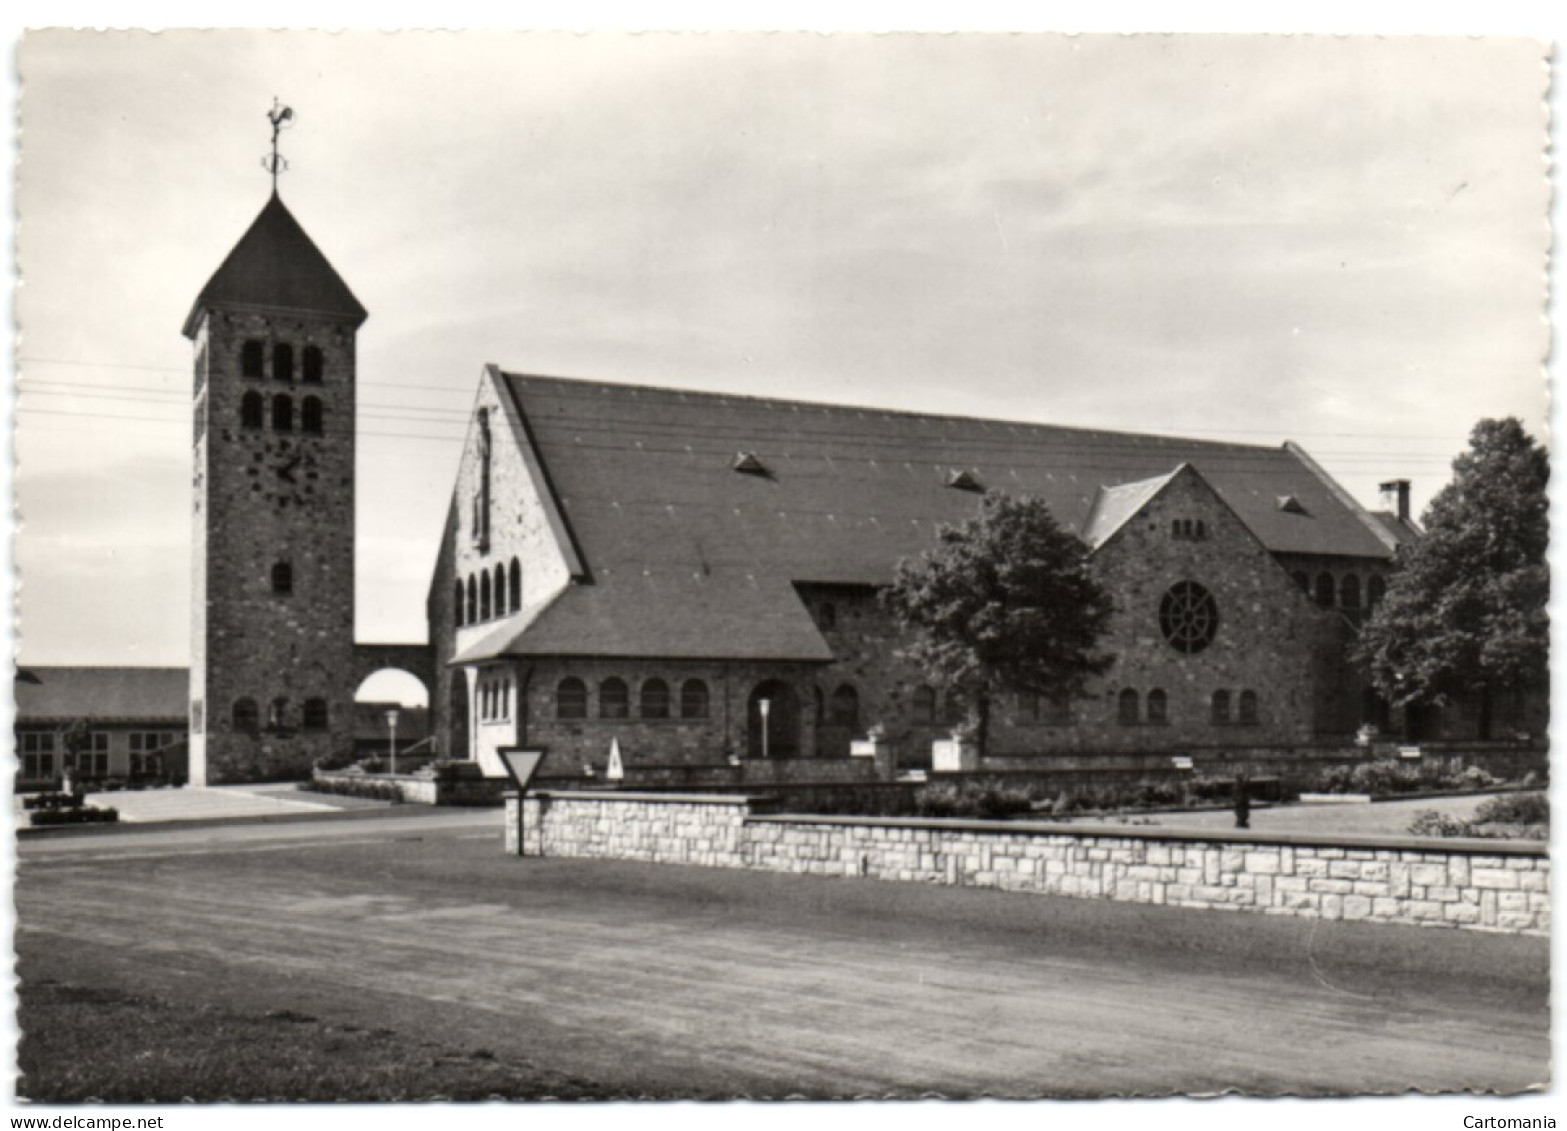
(391, 728)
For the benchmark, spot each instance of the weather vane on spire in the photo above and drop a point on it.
(281, 117)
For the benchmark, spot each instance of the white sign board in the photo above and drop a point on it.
(617, 768)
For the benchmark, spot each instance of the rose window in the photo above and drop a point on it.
(1188, 617)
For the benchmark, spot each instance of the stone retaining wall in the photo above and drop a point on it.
(1478, 884)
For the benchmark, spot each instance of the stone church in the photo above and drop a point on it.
(650, 565)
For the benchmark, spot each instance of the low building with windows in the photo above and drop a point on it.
(129, 724)
(697, 577)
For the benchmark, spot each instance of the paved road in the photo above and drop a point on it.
(688, 981)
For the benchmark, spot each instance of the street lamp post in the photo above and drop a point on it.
(765, 706)
(391, 728)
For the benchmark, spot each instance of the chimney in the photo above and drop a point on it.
(1400, 489)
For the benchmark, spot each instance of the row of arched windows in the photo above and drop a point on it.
(497, 698)
(614, 699)
(488, 594)
(246, 715)
(253, 361)
(253, 413)
(1245, 708)
(1343, 592)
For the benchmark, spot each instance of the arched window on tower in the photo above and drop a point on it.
(484, 595)
(1325, 590)
(313, 366)
(252, 358)
(1248, 712)
(655, 699)
(252, 410)
(282, 578)
(246, 719)
(315, 715)
(282, 362)
(282, 413)
(693, 699)
(514, 586)
(310, 418)
(473, 601)
(457, 604)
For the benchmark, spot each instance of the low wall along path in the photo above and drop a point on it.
(1478, 884)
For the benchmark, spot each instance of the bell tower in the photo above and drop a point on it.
(272, 674)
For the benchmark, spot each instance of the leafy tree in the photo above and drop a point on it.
(1005, 602)
(1466, 610)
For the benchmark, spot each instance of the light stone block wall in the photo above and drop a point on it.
(1485, 885)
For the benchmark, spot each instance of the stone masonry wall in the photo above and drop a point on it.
(1485, 885)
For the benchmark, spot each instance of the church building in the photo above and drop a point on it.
(651, 565)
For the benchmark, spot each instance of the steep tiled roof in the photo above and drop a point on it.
(63, 694)
(688, 556)
(1400, 529)
(276, 266)
(1113, 506)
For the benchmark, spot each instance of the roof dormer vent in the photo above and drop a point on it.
(965, 481)
(748, 463)
(1291, 505)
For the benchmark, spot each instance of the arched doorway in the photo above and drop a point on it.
(783, 721)
(392, 706)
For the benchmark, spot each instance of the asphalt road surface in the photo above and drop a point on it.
(669, 981)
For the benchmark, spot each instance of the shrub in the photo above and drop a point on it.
(1514, 809)
(51, 801)
(1473, 777)
(373, 790)
(1429, 822)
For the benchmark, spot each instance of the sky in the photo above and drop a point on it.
(1339, 241)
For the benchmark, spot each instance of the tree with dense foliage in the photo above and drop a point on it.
(1004, 602)
(1465, 612)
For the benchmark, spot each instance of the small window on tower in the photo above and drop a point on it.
(282, 578)
(252, 358)
(313, 367)
(252, 408)
(282, 362)
(246, 720)
(315, 714)
(310, 416)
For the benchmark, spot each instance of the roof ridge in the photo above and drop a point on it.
(705, 394)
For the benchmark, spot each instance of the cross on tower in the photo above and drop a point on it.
(279, 116)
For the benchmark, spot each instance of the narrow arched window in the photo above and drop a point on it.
(252, 410)
(693, 699)
(282, 578)
(1376, 589)
(457, 609)
(246, 718)
(252, 358)
(282, 413)
(310, 417)
(1349, 591)
(484, 595)
(500, 590)
(571, 699)
(1325, 590)
(282, 362)
(1219, 708)
(614, 700)
(313, 366)
(473, 601)
(655, 699)
(1248, 712)
(315, 714)
(1158, 707)
(1126, 707)
(514, 586)
(846, 706)
(924, 706)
